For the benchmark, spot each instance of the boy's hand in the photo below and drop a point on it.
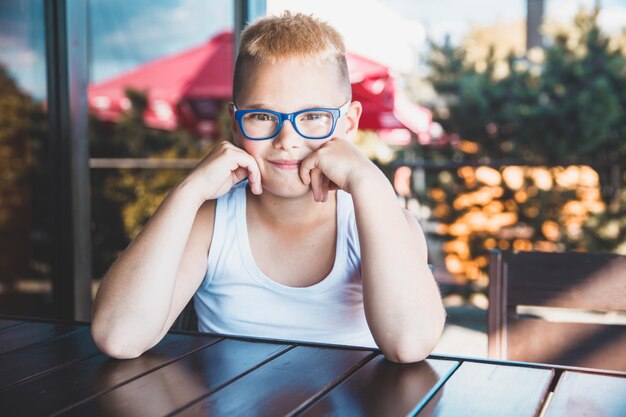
(223, 167)
(337, 164)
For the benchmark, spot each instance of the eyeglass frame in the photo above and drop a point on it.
(336, 113)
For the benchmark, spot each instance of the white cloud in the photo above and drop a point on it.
(613, 18)
(563, 11)
(369, 27)
(455, 17)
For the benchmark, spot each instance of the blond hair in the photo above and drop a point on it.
(288, 36)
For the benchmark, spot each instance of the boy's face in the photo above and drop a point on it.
(286, 87)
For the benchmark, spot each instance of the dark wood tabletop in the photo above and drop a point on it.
(54, 368)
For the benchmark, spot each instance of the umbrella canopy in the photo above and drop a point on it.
(188, 89)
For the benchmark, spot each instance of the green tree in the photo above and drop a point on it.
(563, 106)
(568, 109)
(24, 200)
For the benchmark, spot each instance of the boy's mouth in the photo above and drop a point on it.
(286, 164)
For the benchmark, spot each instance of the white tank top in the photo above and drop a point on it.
(237, 298)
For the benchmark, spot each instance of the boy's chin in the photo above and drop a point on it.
(288, 190)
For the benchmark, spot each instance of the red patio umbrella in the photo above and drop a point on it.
(188, 89)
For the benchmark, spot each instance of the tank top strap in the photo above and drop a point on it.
(224, 229)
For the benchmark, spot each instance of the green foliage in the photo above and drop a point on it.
(606, 231)
(568, 109)
(23, 188)
(563, 106)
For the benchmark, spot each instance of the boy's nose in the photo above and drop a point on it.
(287, 137)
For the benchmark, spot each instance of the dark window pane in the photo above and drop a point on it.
(25, 282)
(160, 80)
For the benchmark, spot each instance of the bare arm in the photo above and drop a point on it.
(154, 278)
(402, 301)
(151, 282)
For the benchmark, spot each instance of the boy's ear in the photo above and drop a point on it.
(352, 120)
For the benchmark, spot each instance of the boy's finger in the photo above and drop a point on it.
(316, 184)
(255, 182)
(306, 166)
(246, 161)
(325, 184)
(240, 173)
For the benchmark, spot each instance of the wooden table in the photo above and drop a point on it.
(54, 368)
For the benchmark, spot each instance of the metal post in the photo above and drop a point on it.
(534, 19)
(246, 11)
(66, 52)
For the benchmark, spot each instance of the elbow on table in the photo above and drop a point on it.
(113, 346)
(414, 347)
(408, 352)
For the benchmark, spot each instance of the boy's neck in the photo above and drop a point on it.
(291, 211)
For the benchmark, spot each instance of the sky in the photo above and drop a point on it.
(125, 33)
(395, 31)
(456, 17)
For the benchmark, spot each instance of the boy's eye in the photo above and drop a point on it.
(315, 116)
(260, 117)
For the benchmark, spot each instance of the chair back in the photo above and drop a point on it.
(558, 308)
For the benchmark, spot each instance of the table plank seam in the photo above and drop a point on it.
(12, 326)
(543, 408)
(590, 394)
(232, 380)
(45, 320)
(556, 379)
(45, 341)
(53, 369)
(331, 385)
(433, 391)
(31, 378)
(175, 359)
(546, 394)
(29, 345)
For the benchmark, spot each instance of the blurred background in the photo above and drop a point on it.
(502, 125)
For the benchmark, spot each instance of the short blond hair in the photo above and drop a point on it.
(288, 36)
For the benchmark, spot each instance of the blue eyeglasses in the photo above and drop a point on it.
(316, 123)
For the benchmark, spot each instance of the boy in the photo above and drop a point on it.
(311, 246)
